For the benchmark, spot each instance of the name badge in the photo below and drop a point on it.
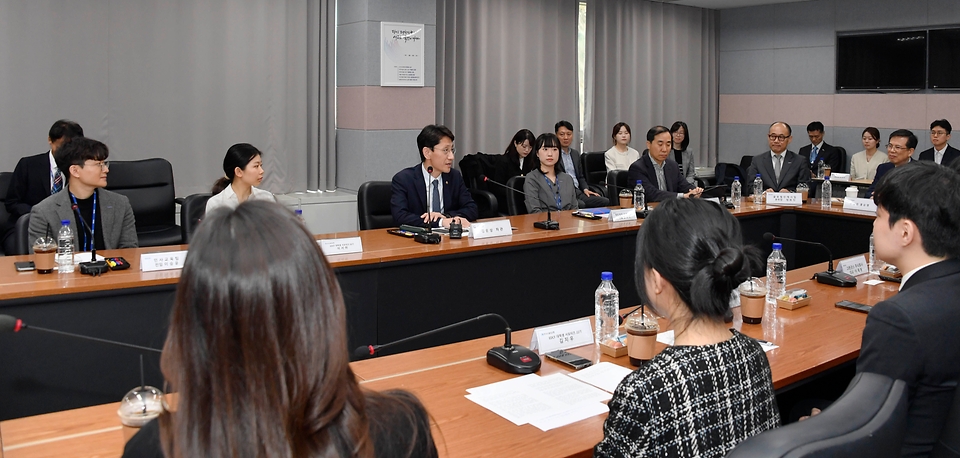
(864, 205)
(167, 260)
(783, 198)
(853, 266)
(345, 245)
(624, 214)
(562, 336)
(487, 229)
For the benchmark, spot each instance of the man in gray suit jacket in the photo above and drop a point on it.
(571, 163)
(105, 220)
(789, 170)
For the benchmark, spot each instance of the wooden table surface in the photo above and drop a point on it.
(811, 340)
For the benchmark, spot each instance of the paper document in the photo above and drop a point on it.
(605, 375)
(579, 412)
(556, 399)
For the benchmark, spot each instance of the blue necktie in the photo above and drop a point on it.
(436, 196)
(813, 154)
(57, 181)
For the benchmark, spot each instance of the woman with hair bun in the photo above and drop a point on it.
(242, 172)
(712, 389)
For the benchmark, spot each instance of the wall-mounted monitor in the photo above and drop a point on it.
(944, 59)
(882, 61)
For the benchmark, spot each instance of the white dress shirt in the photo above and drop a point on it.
(228, 198)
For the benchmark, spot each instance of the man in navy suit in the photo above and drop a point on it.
(780, 169)
(432, 192)
(660, 175)
(912, 336)
(571, 163)
(35, 178)
(819, 150)
(900, 148)
(941, 153)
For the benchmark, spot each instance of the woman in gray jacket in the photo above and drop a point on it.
(547, 185)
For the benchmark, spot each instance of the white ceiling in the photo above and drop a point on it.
(721, 4)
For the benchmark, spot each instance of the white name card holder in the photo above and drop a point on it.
(487, 229)
(345, 245)
(864, 205)
(562, 336)
(853, 266)
(783, 198)
(623, 214)
(167, 260)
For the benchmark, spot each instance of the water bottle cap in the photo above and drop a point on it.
(606, 275)
(65, 222)
(777, 246)
(826, 178)
(758, 175)
(736, 177)
(639, 181)
(299, 212)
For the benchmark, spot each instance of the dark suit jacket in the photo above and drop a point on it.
(29, 185)
(642, 169)
(948, 156)
(793, 171)
(829, 154)
(577, 169)
(913, 337)
(119, 225)
(408, 198)
(506, 169)
(882, 170)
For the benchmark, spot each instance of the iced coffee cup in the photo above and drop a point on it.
(642, 329)
(752, 300)
(44, 254)
(804, 191)
(626, 199)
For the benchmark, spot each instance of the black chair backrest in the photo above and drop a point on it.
(373, 205)
(594, 168)
(487, 204)
(745, 162)
(618, 178)
(844, 160)
(5, 178)
(191, 212)
(725, 171)
(515, 200)
(870, 419)
(22, 240)
(149, 186)
(474, 165)
(948, 446)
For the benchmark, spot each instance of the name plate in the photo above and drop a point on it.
(167, 260)
(562, 336)
(865, 205)
(853, 266)
(487, 229)
(784, 198)
(345, 245)
(625, 214)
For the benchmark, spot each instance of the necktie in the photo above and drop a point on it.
(777, 165)
(435, 206)
(813, 154)
(57, 181)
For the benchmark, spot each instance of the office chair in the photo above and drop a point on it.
(844, 160)
(745, 162)
(148, 184)
(618, 178)
(5, 178)
(725, 171)
(515, 200)
(22, 240)
(948, 446)
(373, 205)
(487, 204)
(870, 419)
(192, 209)
(594, 168)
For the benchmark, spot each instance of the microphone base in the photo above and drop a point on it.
(549, 225)
(836, 279)
(427, 237)
(514, 360)
(643, 213)
(94, 268)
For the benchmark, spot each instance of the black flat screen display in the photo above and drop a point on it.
(894, 60)
(944, 59)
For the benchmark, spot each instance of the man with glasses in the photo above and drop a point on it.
(941, 153)
(98, 218)
(900, 148)
(432, 193)
(780, 169)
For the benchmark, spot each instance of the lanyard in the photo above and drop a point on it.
(88, 242)
(556, 192)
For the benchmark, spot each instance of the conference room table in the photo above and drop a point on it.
(811, 340)
(392, 289)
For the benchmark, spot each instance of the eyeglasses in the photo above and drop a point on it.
(896, 147)
(450, 150)
(104, 165)
(938, 133)
(778, 138)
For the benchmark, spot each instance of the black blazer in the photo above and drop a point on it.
(829, 154)
(408, 198)
(508, 167)
(948, 156)
(642, 169)
(793, 171)
(29, 185)
(577, 169)
(913, 337)
(882, 170)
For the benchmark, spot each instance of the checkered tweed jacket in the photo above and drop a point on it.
(692, 401)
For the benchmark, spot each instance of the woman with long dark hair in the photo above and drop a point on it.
(682, 152)
(516, 161)
(242, 173)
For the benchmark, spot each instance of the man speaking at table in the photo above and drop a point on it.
(780, 169)
(912, 336)
(432, 192)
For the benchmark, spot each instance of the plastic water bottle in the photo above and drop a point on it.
(820, 168)
(875, 263)
(299, 214)
(826, 193)
(639, 199)
(607, 305)
(758, 190)
(776, 274)
(65, 248)
(736, 192)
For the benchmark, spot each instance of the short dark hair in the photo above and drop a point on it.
(238, 155)
(942, 123)
(911, 139)
(705, 262)
(562, 123)
(616, 128)
(548, 140)
(686, 135)
(430, 136)
(815, 126)
(789, 129)
(873, 131)
(928, 195)
(656, 130)
(78, 151)
(64, 128)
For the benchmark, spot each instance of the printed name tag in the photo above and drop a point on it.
(853, 266)
(345, 245)
(783, 198)
(625, 214)
(487, 229)
(562, 336)
(865, 205)
(167, 260)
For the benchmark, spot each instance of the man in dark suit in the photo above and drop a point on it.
(912, 336)
(35, 178)
(900, 150)
(447, 199)
(819, 150)
(941, 153)
(780, 169)
(660, 175)
(571, 163)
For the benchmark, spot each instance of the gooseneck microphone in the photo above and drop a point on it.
(549, 224)
(93, 267)
(15, 325)
(514, 359)
(830, 277)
